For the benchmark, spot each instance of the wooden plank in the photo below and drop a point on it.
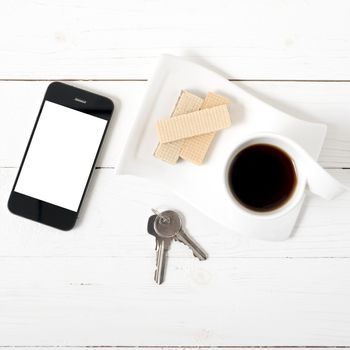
(114, 219)
(316, 102)
(167, 347)
(112, 40)
(320, 102)
(114, 301)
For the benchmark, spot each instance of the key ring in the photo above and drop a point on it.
(162, 217)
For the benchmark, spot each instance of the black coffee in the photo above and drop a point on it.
(262, 177)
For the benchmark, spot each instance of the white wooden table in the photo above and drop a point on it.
(93, 286)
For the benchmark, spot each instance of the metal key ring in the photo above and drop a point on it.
(162, 217)
(168, 230)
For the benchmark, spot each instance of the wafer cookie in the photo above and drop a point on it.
(186, 103)
(194, 149)
(193, 124)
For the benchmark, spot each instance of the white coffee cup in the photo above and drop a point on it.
(307, 171)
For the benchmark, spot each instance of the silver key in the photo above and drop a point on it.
(163, 245)
(173, 229)
(165, 226)
(197, 251)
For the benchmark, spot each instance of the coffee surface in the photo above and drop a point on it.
(262, 177)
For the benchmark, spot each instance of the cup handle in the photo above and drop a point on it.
(320, 182)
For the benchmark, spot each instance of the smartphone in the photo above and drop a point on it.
(60, 156)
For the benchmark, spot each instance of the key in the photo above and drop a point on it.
(162, 246)
(173, 229)
(165, 226)
(197, 250)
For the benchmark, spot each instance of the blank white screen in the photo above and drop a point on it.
(60, 156)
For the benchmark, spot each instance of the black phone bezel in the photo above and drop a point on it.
(41, 211)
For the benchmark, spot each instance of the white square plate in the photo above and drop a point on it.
(204, 186)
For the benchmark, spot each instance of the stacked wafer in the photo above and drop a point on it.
(190, 130)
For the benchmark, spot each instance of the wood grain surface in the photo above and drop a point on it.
(106, 39)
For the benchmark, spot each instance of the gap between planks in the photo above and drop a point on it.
(182, 258)
(113, 168)
(144, 80)
(172, 347)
